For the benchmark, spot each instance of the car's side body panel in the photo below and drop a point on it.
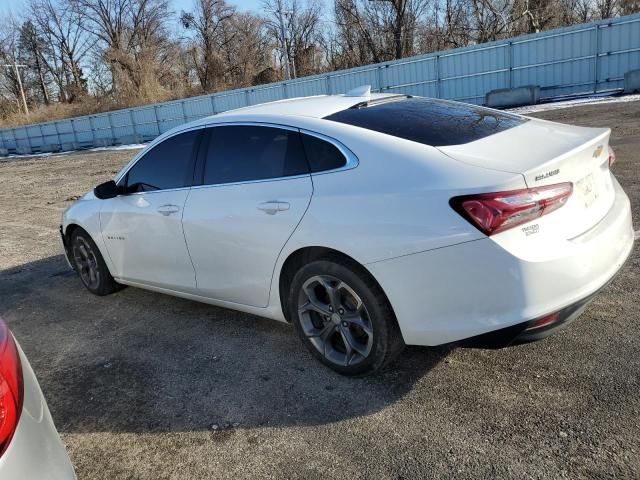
(143, 236)
(236, 231)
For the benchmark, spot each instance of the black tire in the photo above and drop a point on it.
(363, 340)
(87, 261)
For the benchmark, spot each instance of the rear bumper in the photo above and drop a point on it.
(527, 332)
(477, 287)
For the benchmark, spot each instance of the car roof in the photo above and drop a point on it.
(318, 106)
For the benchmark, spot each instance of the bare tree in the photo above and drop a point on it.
(132, 35)
(388, 27)
(66, 45)
(33, 46)
(208, 22)
(9, 54)
(302, 31)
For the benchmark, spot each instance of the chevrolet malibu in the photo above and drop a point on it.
(368, 221)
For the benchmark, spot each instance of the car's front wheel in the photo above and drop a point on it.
(88, 262)
(343, 317)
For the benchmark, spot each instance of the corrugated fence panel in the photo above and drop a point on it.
(619, 48)
(21, 137)
(561, 63)
(309, 86)
(82, 127)
(66, 132)
(121, 124)
(101, 126)
(345, 81)
(145, 122)
(198, 108)
(6, 139)
(421, 90)
(34, 133)
(266, 94)
(50, 134)
(229, 101)
(581, 58)
(412, 73)
(469, 74)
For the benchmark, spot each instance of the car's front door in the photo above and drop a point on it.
(142, 227)
(255, 189)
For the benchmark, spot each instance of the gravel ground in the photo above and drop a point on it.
(148, 386)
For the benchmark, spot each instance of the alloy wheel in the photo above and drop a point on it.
(335, 320)
(86, 263)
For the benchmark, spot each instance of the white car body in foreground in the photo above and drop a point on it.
(390, 209)
(30, 448)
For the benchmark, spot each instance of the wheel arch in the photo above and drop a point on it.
(308, 254)
(73, 226)
(66, 239)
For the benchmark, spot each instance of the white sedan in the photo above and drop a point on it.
(369, 221)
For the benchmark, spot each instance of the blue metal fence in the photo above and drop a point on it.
(584, 58)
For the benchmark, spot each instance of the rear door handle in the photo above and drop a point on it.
(167, 210)
(274, 207)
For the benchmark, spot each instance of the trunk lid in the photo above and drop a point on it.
(546, 153)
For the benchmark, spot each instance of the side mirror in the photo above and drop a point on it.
(106, 190)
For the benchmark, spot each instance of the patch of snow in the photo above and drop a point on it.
(591, 100)
(133, 146)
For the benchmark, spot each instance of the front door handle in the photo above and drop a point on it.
(274, 207)
(167, 210)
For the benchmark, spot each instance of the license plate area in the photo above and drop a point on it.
(587, 189)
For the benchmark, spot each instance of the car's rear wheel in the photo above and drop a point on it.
(90, 265)
(343, 317)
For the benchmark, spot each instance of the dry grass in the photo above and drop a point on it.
(87, 105)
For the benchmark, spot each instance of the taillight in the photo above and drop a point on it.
(612, 156)
(496, 212)
(543, 321)
(11, 387)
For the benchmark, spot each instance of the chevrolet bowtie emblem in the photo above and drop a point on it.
(597, 151)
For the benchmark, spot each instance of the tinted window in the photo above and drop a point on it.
(245, 153)
(428, 121)
(167, 165)
(321, 154)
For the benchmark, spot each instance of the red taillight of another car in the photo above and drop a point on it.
(612, 156)
(11, 387)
(499, 211)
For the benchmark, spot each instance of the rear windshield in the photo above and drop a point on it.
(428, 121)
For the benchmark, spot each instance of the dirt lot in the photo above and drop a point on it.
(143, 385)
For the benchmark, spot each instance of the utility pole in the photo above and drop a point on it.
(285, 44)
(15, 66)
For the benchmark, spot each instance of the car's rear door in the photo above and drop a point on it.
(255, 189)
(142, 227)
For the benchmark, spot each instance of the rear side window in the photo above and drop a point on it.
(245, 153)
(428, 121)
(321, 154)
(167, 165)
